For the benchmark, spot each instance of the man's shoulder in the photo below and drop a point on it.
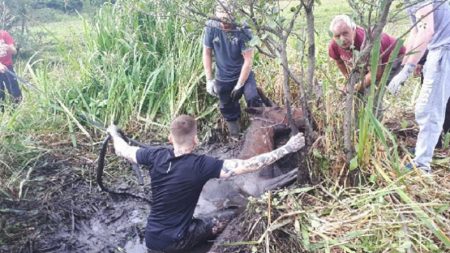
(333, 49)
(150, 154)
(360, 33)
(213, 24)
(246, 31)
(4, 33)
(332, 44)
(195, 157)
(202, 160)
(412, 9)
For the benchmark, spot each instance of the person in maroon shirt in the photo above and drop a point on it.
(348, 38)
(8, 81)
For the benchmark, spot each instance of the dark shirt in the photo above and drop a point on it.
(228, 47)
(176, 184)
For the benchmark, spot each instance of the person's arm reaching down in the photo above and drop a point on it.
(207, 65)
(418, 44)
(342, 68)
(245, 70)
(207, 62)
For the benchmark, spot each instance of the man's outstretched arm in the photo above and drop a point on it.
(233, 167)
(122, 148)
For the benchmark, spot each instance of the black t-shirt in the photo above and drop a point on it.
(176, 184)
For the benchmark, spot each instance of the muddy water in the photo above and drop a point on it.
(64, 211)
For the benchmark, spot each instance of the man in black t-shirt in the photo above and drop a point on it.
(178, 177)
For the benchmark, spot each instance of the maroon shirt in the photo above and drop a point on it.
(7, 39)
(387, 46)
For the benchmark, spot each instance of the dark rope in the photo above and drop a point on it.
(101, 167)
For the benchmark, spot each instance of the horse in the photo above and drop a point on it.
(265, 123)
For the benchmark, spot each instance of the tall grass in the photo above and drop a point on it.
(132, 63)
(139, 64)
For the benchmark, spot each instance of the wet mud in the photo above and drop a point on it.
(63, 210)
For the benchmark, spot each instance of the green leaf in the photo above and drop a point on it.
(255, 41)
(354, 163)
(316, 153)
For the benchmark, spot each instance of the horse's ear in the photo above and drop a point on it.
(254, 110)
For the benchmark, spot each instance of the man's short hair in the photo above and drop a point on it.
(183, 128)
(342, 18)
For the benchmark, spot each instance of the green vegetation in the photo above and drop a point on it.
(130, 66)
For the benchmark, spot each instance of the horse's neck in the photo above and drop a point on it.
(258, 139)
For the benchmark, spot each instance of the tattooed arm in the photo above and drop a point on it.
(233, 167)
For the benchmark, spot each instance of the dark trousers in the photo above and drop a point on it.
(230, 108)
(446, 126)
(10, 83)
(198, 232)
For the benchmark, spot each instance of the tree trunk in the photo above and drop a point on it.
(348, 116)
(286, 88)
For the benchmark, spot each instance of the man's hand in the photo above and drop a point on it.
(113, 130)
(3, 68)
(210, 87)
(236, 92)
(396, 82)
(295, 143)
(122, 148)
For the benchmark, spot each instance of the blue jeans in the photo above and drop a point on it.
(10, 83)
(431, 104)
(231, 109)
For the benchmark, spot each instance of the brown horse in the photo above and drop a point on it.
(259, 138)
(265, 123)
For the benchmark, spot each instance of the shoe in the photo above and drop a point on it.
(234, 129)
(411, 166)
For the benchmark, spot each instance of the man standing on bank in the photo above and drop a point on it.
(234, 59)
(432, 32)
(7, 50)
(178, 176)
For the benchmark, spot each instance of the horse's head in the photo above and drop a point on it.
(276, 115)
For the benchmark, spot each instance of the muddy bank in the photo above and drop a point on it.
(63, 211)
